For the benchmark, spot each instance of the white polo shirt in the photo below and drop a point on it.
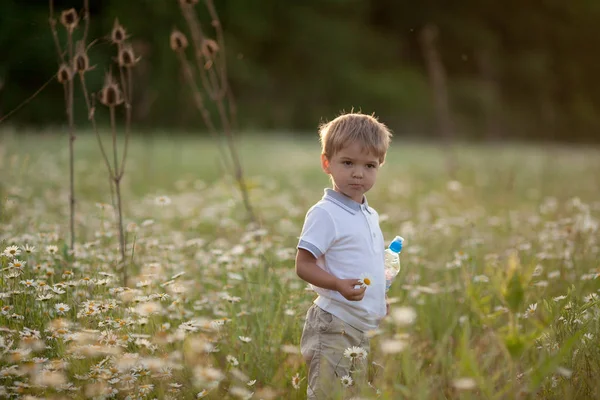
(347, 242)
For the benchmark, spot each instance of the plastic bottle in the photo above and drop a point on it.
(392, 260)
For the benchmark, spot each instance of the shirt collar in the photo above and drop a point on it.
(345, 202)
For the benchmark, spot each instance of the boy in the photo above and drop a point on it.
(341, 254)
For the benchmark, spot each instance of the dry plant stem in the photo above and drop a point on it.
(197, 38)
(117, 182)
(92, 118)
(86, 18)
(216, 91)
(52, 22)
(237, 165)
(126, 84)
(70, 83)
(221, 41)
(199, 102)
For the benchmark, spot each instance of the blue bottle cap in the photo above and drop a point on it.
(396, 244)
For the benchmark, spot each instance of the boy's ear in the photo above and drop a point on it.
(325, 163)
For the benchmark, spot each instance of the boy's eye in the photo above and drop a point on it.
(371, 166)
(347, 162)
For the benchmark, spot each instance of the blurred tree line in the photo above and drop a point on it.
(526, 69)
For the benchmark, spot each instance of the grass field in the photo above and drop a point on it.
(500, 267)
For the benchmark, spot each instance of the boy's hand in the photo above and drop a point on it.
(346, 289)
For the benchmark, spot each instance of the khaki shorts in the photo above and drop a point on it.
(324, 339)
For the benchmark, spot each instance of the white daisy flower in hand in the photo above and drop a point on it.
(365, 280)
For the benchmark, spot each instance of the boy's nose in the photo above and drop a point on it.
(357, 173)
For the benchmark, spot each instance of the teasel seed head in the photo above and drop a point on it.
(65, 73)
(178, 41)
(81, 61)
(110, 95)
(118, 33)
(126, 57)
(209, 48)
(69, 19)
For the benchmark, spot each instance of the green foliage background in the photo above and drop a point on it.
(293, 64)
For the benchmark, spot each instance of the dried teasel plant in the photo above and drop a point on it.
(112, 97)
(118, 34)
(69, 19)
(210, 66)
(178, 41)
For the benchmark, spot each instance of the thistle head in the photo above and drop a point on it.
(81, 61)
(110, 95)
(69, 19)
(126, 57)
(65, 73)
(178, 41)
(118, 33)
(209, 48)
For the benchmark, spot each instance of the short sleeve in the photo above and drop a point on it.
(318, 232)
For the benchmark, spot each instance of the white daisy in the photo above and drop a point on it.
(365, 280)
(52, 249)
(355, 353)
(296, 381)
(61, 308)
(232, 360)
(347, 380)
(11, 251)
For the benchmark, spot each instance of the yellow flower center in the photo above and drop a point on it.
(367, 281)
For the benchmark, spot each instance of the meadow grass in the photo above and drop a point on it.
(497, 297)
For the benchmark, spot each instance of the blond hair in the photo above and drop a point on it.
(366, 130)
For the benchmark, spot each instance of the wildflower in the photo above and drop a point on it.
(404, 316)
(11, 251)
(464, 383)
(553, 274)
(296, 381)
(393, 346)
(163, 201)
(29, 249)
(355, 353)
(29, 283)
(590, 297)
(347, 380)
(240, 392)
(481, 278)
(530, 310)
(44, 297)
(145, 389)
(62, 308)
(17, 264)
(232, 360)
(251, 383)
(52, 249)
(202, 393)
(245, 339)
(365, 280)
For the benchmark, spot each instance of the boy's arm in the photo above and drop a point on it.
(308, 270)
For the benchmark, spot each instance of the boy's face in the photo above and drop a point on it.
(353, 171)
